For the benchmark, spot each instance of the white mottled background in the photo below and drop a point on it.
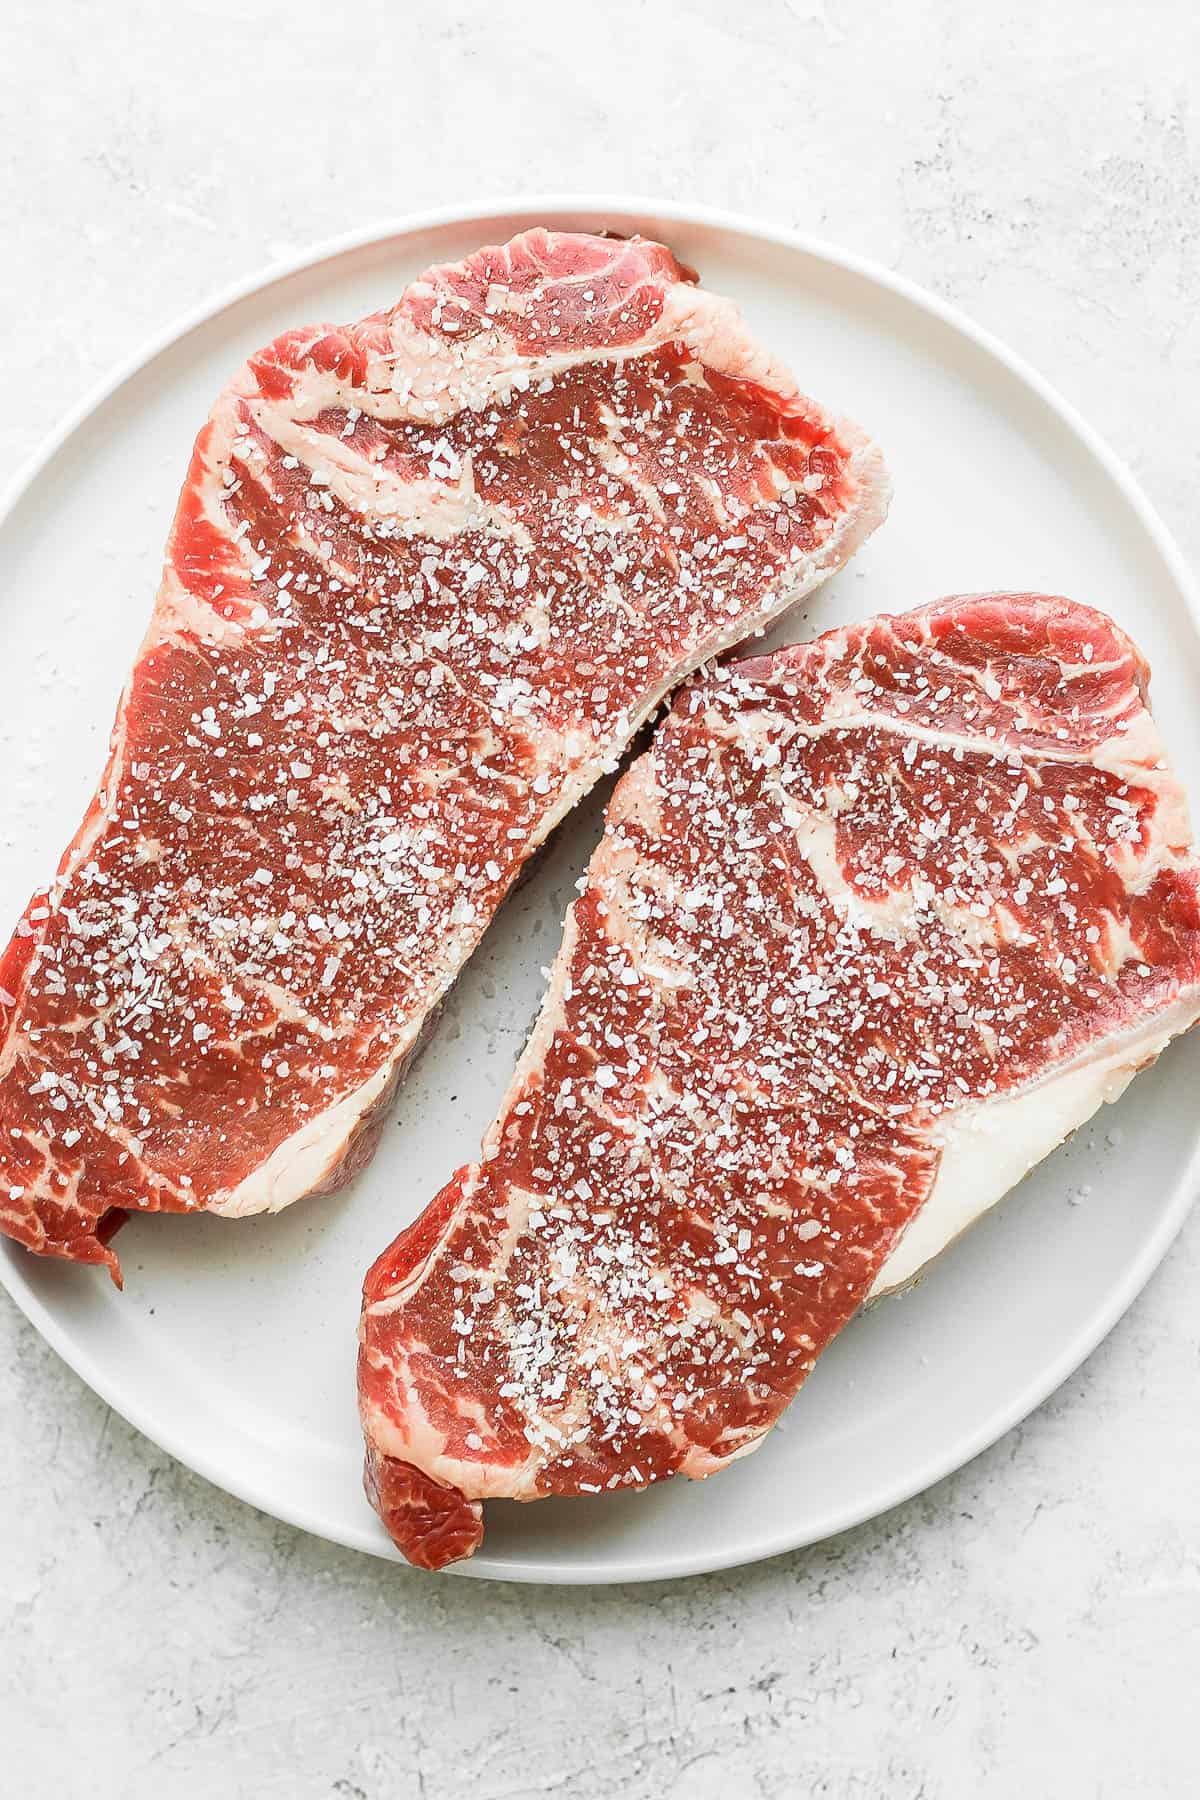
(1032, 1626)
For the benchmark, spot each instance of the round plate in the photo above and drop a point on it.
(233, 1344)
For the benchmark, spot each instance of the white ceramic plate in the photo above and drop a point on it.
(233, 1344)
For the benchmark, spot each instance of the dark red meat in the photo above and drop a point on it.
(427, 575)
(857, 897)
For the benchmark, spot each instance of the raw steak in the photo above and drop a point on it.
(428, 574)
(875, 922)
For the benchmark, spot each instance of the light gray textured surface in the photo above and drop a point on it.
(1032, 1625)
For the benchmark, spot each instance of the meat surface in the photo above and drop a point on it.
(427, 575)
(874, 923)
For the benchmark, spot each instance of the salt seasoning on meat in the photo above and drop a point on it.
(875, 923)
(427, 575)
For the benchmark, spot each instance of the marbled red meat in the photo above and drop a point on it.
(874, 923)
(427, 575)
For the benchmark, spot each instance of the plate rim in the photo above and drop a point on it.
(630, 208)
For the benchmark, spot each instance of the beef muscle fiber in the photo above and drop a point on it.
(427, 575)
(874, 924)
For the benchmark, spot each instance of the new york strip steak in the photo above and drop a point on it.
(874, 924)
(427, 575)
